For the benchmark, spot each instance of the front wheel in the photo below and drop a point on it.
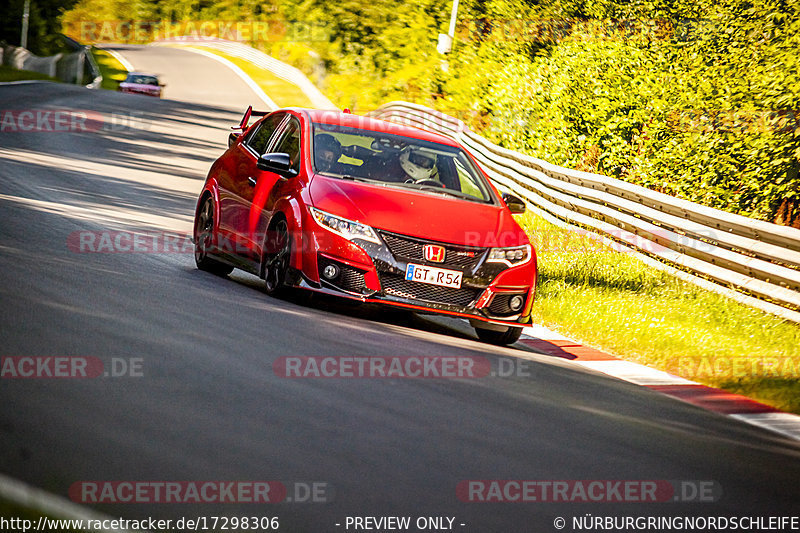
(501, 338)
(276, 263)
(204, 240)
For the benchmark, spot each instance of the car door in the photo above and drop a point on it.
(236, 192)
(270, 186)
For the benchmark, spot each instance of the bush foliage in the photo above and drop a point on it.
(698, 100)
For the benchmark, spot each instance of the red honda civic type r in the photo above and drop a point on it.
(367, 210)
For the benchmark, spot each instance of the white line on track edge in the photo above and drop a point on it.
(239, 72)
(42, 501)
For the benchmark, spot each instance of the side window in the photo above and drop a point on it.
(290, 143)
(467, 181)
(258, 141)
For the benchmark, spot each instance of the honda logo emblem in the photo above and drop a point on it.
(433, 253)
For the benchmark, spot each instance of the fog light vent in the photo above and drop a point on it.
(516, 302)
(330, 272)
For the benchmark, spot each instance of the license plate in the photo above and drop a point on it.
(434, 276)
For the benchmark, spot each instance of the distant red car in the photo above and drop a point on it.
(367, 210)
(138, 83)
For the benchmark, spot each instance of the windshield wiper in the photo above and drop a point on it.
(346, 177)
(350, 177)
(441, 190)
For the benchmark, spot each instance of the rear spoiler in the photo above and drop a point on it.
(249, 112)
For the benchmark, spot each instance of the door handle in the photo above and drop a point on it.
(251, 181)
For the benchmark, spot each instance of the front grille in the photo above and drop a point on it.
(407, 248)
(499, 305)
(349, 279)
(400, 287)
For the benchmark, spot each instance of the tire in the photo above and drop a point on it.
(500, 338)
(204, 239)
(276, 262)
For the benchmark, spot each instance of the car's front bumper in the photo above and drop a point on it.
(375, 273)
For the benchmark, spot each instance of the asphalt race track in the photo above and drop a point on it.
(190, 77)
(204, 403)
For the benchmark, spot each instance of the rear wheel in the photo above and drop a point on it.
(204, 241)
(501, 338)
(276, 263)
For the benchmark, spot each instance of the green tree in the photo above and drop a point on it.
(44, 24)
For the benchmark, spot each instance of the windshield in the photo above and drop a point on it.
(141, 80)
(394, 160)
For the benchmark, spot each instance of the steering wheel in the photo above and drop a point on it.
(426, 181)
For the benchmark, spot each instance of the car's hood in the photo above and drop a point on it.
(418, 214)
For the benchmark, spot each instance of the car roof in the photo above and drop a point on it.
(134, 73)
(368, 123)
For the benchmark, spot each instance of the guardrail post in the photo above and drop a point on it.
(79, 68)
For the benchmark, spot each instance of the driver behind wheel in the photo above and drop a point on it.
(327, 151)
(417, 163)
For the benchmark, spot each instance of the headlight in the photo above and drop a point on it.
(348, 229)
(510, 256)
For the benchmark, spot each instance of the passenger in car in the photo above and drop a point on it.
(327, 152)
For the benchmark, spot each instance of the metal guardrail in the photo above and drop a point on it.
(752, 261)
(93, 68)
(68, 67)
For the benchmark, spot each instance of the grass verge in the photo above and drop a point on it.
(112, 70)
(282, 92)
(616, 303)
(11, 510)
(11, 74)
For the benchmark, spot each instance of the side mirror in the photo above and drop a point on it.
(278, 163)
(514, 203)
(232, 138)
